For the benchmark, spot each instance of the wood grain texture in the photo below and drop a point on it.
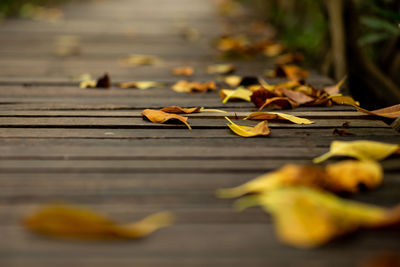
(61, 143)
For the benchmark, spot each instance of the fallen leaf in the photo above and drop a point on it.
(391, 112)
(345, 176)
(159, 116)
(289, 58)
(273, 49)
(288, 71)
(103, 82)
(202, 109)
(183, 71)
(142, 85)
(260, 129)
(140, 60)
(277, 116)
(298, 97)
(239, 93)
(307, 218)
(179, 110)
(334, 90)
(193, 87)
(64, 221)
(345, 100)
(279, 102)
(342, 132)
(235, 81)
(361, 149)
(221, 69)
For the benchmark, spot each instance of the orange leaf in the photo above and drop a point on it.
(179, 110)
(391, 112)
(183, 71)
(288, 71)
(159, 116)
(193, 87)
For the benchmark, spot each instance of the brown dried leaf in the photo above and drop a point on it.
(288, 71)
(298, 97)
(64, 221)
(391, 112)
(279, 102)
(342, 132)
(183, 71)
(179, 110)
(159, 116)
(193, 87)
(334, 90)
(103, 82)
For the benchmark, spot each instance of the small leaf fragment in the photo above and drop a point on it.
(240, 93)
(142, 85)
(159, 116)
(179, 110)
(221, 69)
(65, 221)
(277, 115)
(183, 71)
(183, 86)
(307, 218)
(260, 129)
(202, 109)
(361, 149)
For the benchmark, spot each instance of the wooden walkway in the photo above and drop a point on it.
(91, 147)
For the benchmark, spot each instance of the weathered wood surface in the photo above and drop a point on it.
(91, 147)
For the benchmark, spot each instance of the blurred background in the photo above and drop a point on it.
(357, 38)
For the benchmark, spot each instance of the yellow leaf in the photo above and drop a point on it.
(179, 110)
(344, 100)
(277, 115)
(221, 68)
(140, 60)
(64, 221)
(239, 93)
(142, 85)
(183, 86)
(202, 109)
(233, 80)
(361, 149)
(345, 176)
(260, 129)
(183, 71)
(159, 116)
(306, 217)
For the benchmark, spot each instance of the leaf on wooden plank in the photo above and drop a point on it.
(279, 102)
(344, 100)
(193, 87)
(335, 89)
(307, 218)
(288, 71)
(361, 149)
(221, 69)
(202, 109)
(345, 176)
(159, 116)
(102, 82)
(140, 60)
(277, 116)
(260, 96)
(72, 222)
(342, 132)
(239, 93)
(260, 129)
(179, 110)
(235, 81)
(298, 97)
(289, 58)
(183, 71)
(142, 85)
(391, 112)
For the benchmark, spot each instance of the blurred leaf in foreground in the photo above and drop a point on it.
(71, 222)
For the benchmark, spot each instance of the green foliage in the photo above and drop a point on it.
(9, 8)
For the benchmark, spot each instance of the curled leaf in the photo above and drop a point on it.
(193, 87)
(391, 112)
(361, 149)
(159, 116)
(277, 115)
(307, 218)
(183, 71)
(179, 110)
(64, 221)
(142, 85)
(239, 93)
(346, 176)
(260, 129)
(221, 69)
